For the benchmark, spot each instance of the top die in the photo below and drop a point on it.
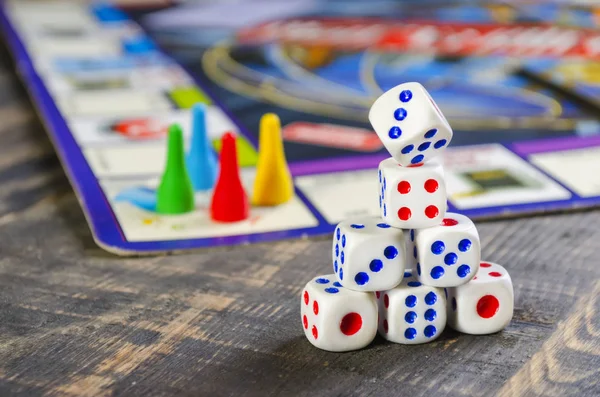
(410, 124)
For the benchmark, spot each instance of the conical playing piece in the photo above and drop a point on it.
(229, 201)
(175, 194)
(201, 159)
(273, 184)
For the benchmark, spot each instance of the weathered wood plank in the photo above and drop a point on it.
(76, 321)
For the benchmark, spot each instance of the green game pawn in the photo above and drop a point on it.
(175, 194)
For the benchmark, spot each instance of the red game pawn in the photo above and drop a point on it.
(229, 201)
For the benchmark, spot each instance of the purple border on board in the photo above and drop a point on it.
(555, 144)
(335, 165)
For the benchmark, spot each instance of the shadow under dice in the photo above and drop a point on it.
(335, 318)
(412, 197)
(410, 124)
(368, 254)
(411, 313)
(485, 304)
(447, 254)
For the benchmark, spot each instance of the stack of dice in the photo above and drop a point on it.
(408, 272)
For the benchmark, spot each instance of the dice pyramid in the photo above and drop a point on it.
(416, 267)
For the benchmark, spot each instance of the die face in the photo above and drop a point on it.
(412, 197)
(448, 254)
(410, 124)
(411, 313)
(368, 254)
(484, 305)
(335, 318)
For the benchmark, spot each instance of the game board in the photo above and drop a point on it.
(107, 83)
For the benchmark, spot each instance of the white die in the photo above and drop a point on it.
(485, 304)
(448, 254)
(335, 318)
(412, 312)
(410, 124)
(368, 254)
(412, 197)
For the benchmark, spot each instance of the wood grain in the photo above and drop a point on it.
(76, 321)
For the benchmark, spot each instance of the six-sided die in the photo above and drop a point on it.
(448, 254)
(335, 318)
(368, 254)
(412, 197)
(485, 304)
(411, 313)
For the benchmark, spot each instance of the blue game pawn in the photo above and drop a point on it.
(201, 159)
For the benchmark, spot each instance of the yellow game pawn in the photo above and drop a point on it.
(273, 184)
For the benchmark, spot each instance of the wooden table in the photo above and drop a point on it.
(77, 321)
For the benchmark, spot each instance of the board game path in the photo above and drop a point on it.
(77, 321)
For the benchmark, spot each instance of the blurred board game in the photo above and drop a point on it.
(518, 81)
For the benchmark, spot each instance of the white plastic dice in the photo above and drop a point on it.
(335, 318)
(448, 254)
(411, 313)
(485, 304)
(410, 124)
(368, 254)
(411, 250)
(412, 197)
